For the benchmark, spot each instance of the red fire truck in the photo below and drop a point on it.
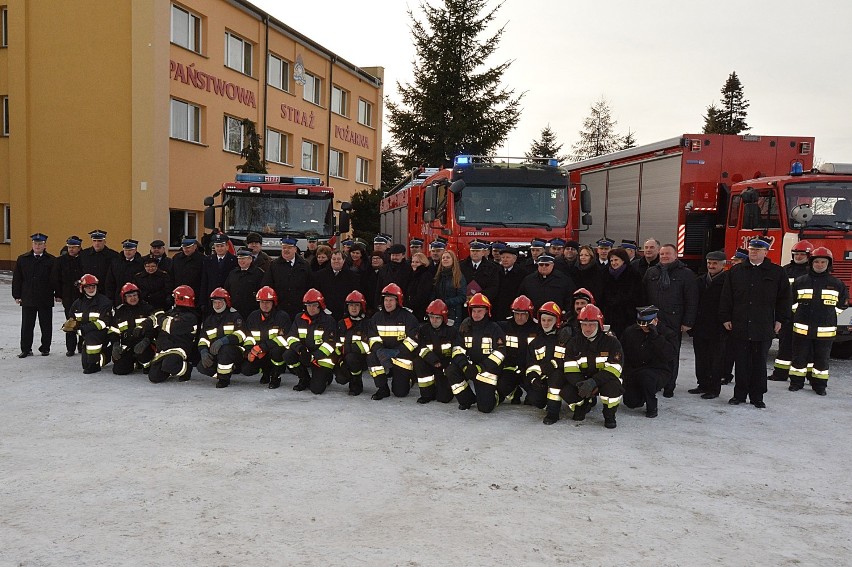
(513, 201)
(276, 206)
(802, 205)
(677, 190)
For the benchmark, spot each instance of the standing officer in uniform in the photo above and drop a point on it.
(67, 272)
(175, 339)
(604, 245)
(92, 313)
(122, 269)
(436, 249)
(187, 266)
(755, 304)
(476, 268)
(392, 346)
(510, 277)
(708, 334)
(547, 284)
(217, 265)
(33, 289)
(818, 298)
(290, 276)
(158, 252)
(649, 349)
(265, 330)
(243, 283)
(797, 267)
(261, 259)
(310, 345)
(97, 258)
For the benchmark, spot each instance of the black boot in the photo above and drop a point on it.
(382, 393)
(264, 377)
(356, 385)
(581, 411)
(550, 418)
(223, 382)
(304, 378)
(274, 382)
(609, 417)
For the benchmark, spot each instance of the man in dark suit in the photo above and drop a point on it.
(67, 272)
(290, 276)
(32, 288)
(187, 266)
(484, 273)
(217, 266)
(511, 276)
(158, 251)
(97, 259)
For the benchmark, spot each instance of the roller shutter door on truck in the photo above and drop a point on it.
(622, 203)
(658, 215)
(596, 182)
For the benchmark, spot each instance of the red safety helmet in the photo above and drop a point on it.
(438, 307)
(479, 300)
(583, 293)
(357, 297)
(314, 296)
(803, 246)
(266, 293)
(184, 296)
(523, 303)
(128, 288)
(87, 279)
(591, 313)
(395, 291)
(551, 308)
(822, 252)
(221, 293)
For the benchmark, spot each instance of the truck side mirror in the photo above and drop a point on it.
(209, 215)
(586, 201)
(344, 221)
(346, 206)
(428, 215)
(457, 186)
(208, 201)
(587, 219)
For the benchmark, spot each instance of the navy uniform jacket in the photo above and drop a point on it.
(31, 280)
(754, 298)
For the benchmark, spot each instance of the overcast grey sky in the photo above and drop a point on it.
(658, 63)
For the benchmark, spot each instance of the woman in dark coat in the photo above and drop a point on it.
(588, 272)
(621, 291)
(418, 294)
(451, 287)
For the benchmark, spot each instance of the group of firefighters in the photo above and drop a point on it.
(543, 354)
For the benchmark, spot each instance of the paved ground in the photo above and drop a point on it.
(106, 470)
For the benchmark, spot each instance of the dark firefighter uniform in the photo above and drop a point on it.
(175, 343)
(132, 331)
(784, 358)
(518, 338)
(352, 348)
(477, 358)
(545, 357)
(436, 350)
(392, 351)
(265, 344)
(220, 344)
(648, 358)
(93, 316)
(311, 343)
(818, 298)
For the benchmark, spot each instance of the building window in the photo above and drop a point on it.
(365, 112)
(234, 134)
(362, 170)
(181, 223)
(313, 88)
(339, 101)
(310, 156)
(5, 125)
(336, 163)
(278, 73)
(237, 53)
(186, 121)
(277, 147)
(4, 27)
(186, 29)
(7, 223)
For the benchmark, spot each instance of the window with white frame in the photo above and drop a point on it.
(362, 170)
(313, 89)
(234, 134)
(277, 146)
(310, 156)
(186, 29)
(7, 223)
(339, 101)
(5, 125)
(4, 27)
(186, 121)
(181, 223)
(365, 112)
(278, 73)
(238, 53)
(336, 163)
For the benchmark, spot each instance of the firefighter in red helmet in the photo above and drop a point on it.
(92, 316)
(545, 354)
(799, 266)
(435, 339)
(220, 342)
(392, 345)
(132, 332)
(592, 367)
(265, 329)
(310, 353)
(352, 343)
(175, 339)
(520, 329)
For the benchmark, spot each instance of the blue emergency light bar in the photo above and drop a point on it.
(264, 178)
(462, 160)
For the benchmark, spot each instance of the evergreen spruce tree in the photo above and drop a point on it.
(628, 140)
(252, 152)
(546, 146)
(365, 213)
(392, 172)
(598, 135)
(731, 118)
(455, 105)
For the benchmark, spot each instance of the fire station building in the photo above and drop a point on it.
(123, 115)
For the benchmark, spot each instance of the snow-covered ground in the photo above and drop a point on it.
(107, 470)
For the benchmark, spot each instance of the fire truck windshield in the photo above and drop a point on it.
(829, 203)
(273, 214)
(490, 205)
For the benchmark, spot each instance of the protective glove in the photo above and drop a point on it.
(70, 325)
(255, 353)
(218, 344)
(138, 332)
(470, 372)
(207, 360)
(116, 351)
(141, 346)
(586, 388)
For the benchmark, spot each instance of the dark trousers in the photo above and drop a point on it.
(563, 386)
(785, 352)
(806, 350)
(490, 395)
(70, 338)
(266, 365)
(45, 324)
(315, 377)
(750, 371)
(94, 348)
(672, 382)
(169, 365)
(432, 381)
(709, 362)
(126, 363)
(401, 371)
(641, 387)
(349, 371)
